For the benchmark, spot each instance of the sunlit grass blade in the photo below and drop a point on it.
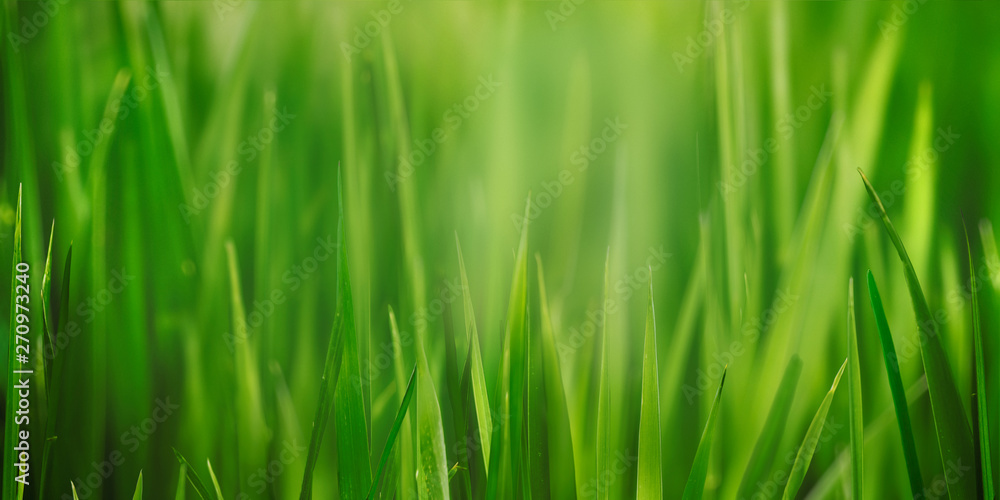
(563, 469)
(954, 435)
(766, 448)
(138, 488)
(393, 431)
(47, 323)
(857, 420)
(10, 424)
(181, 493)
(406, 485)
(812, 439)
(73, 487)
(896, 389)
(480, 397)
(193, 478)
(980, 414)
(649, 478)
(695, 487)
(604, 391)
(432, 481)
(215, 480)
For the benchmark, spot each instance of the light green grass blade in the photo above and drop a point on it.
(604, 392)
(138, 488)
(215, 480)
(10, 426)
(58, 364)
(695, 487)
(980, 416)
(813, 434)
(857, 420)
(774, 428)
(649, 478)
(896, 389)
(73, 487)
(480, 397)
(47, 324)
(954, 435)
(536, 465)
(407, 488)
(194, 478)
(393, 431)
(249, 399)
(563, 469)
(181, 483)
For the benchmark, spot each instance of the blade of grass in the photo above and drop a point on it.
(517, 325)
(393, 431)
(342, 322)
(896, 389)
(536, 474)
(47, 324)
(604, 393)
(808, 447)
(58, 364)
(857, 421)
(10, 425)
(194, 478)
(980, 415)
(954, 435)
(695, 487)
(479, 395)
(406, 485)
(774, 427)
(181, 483)
(563, 470)
(649, 478)
(138, 488)
(215, 480)
(432, 481)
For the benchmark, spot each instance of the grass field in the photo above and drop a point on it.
(567, 249)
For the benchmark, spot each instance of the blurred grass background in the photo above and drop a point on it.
(634, 126)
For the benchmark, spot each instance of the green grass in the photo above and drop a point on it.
(299, 292)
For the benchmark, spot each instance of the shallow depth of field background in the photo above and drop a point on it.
(685, 136)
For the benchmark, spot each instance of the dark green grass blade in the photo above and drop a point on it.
(537, 464)
(354, 470)
(193, 478)
(813, 434)
(393, 431)
(479, 395)
(604, 392)
(896, 389)
(980, 415)
(517, 325)
(774, 428)
(650, 474)
(954, 435)
(11, 427)
(857, 420)
(58, 363)
(138, 488)
(563, 470)
(454, 384)
(695, 486)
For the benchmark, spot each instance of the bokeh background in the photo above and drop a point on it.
(716, 142)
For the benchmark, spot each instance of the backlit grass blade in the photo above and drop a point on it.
(58, 364)
(857, 421)
(138, 488)
(980, 415)
(181, 483)
(517, 326)
(343, 320)
(649, 479)
(954, 435)
(811, 441)
(480, 397)
(47, 323)
(193, 478)
(432, 479)
(215, 480)
(766, 448)
(73, 487)
(604, 391)
(695, 487)
(562, 469)
(406, 488)
(896, 389)
(10, 426)
(393, 431)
